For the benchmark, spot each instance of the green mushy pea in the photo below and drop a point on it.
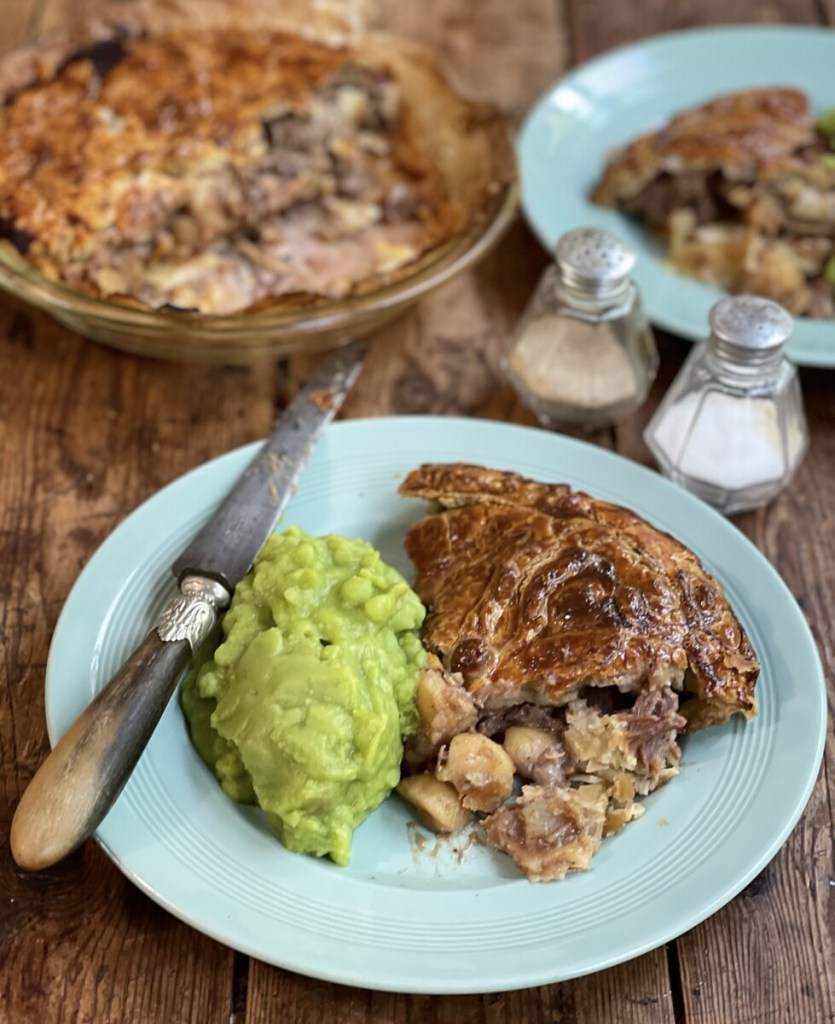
(303, 706)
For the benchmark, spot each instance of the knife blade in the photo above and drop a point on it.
(79, 781)
(226, 546)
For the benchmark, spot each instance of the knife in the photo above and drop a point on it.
(81, 778)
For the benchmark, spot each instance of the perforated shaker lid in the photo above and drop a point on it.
(594, 260)
(748, 328)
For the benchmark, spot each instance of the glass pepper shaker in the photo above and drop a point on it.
(583, 354)
(731, 428)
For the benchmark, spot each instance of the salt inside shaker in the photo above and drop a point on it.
(583, 353)
(731, 428)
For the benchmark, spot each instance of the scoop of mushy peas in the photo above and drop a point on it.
(303, 706)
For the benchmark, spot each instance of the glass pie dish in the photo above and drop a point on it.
(311, 326)
(178, 187)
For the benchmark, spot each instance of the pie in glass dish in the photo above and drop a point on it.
(179, 158)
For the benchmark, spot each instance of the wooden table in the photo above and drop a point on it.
(88, 433)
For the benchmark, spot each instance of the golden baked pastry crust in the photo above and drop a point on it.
(739, 189)
(216, 168)
(743, 134)
(539, 589)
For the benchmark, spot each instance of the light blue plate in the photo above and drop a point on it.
(412, 913)
(607, 102)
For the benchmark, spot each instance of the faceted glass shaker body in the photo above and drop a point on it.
(733, 435)
(581, 361)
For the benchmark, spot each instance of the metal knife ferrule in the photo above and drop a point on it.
(194, 612)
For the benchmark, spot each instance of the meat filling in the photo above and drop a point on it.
(588, 760)
(549, 831)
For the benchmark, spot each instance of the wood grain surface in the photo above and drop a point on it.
(86, 434)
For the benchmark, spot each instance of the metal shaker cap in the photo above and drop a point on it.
(594, 260)
(749, 329)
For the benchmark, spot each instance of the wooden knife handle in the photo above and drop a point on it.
(81, 778)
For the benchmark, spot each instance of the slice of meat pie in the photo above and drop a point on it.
(742, 192)
(577, 636)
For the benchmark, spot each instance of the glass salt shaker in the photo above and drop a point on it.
(583, 354)
(731, 428)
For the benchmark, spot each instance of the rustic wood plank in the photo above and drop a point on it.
(768, 955)
(86, 435)
(636, 993)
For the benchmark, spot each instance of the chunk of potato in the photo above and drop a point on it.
(444, 708)
(479, 769)
(437, 803)
(536, 754)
